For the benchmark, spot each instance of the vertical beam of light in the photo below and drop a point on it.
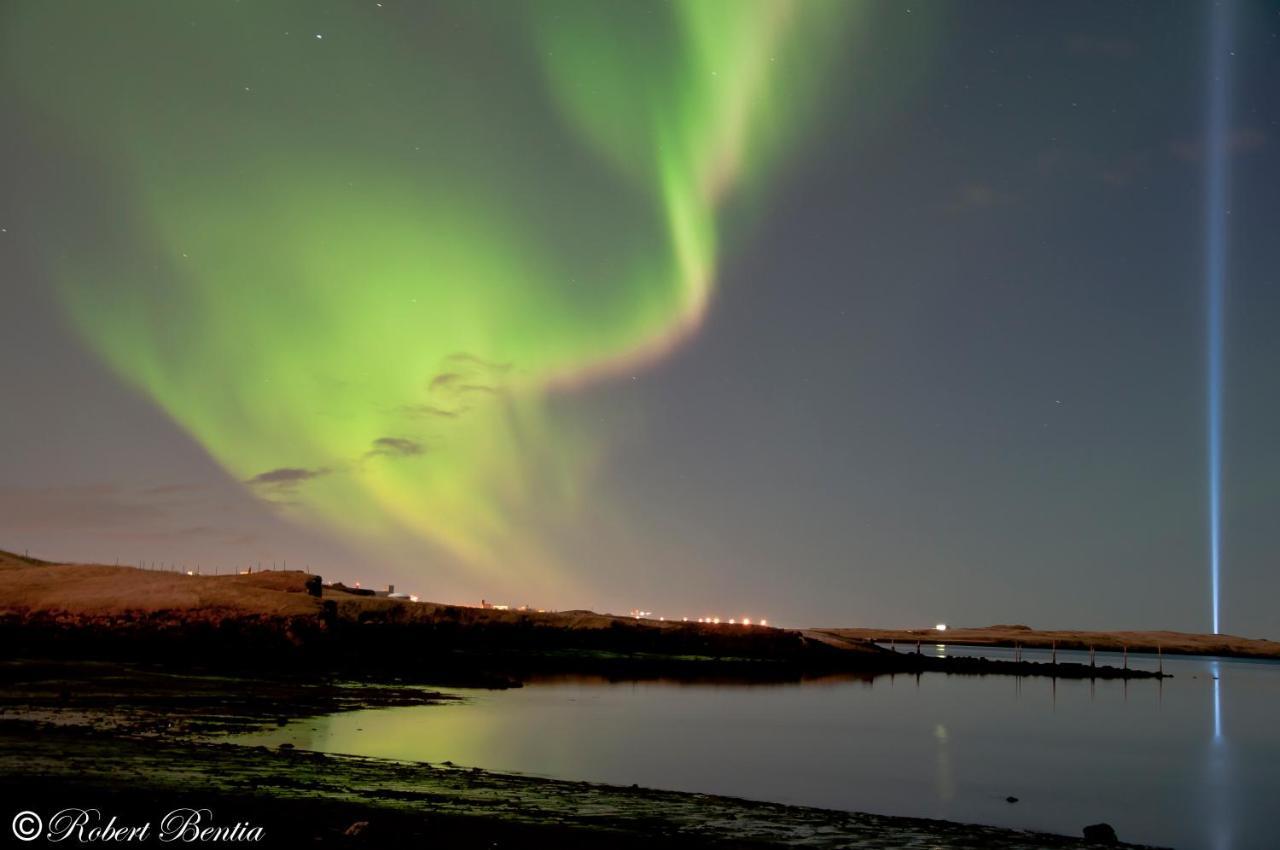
(1215, 271)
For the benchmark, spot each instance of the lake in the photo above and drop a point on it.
(1191, 762)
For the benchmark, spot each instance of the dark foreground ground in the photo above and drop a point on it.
(307, 799)
(139, 742)
(119, 687)
(289, 621)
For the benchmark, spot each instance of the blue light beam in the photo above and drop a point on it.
(1216, 185)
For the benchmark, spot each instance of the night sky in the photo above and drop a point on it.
(831, 313)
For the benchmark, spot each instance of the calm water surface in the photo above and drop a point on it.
(1193, 762)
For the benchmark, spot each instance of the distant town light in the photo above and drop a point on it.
(746, 621)
(942, 627)
(764, 622)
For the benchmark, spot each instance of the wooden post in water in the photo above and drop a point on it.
(1055, 653)
(1126, 656)
(1092, 664)
(1160, 659)
(892, 646)
(917, 647)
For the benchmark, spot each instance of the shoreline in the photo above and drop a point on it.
(302, 797)
(289, 621)
(310, 798)
(138, 742)
(1009, 637)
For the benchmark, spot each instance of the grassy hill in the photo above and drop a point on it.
(94, 609)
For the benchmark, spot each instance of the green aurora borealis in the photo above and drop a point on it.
(359, 251)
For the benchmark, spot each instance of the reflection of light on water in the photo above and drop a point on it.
(1219, 817)
(946, 782)
(1217, 702)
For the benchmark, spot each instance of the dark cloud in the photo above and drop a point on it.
(462, 376)
(417, 410)
(395, 447)
(478, 388)
(443, 380)
(480, 362)
(285, 476)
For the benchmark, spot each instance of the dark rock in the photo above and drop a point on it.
(356, 828)
(286, 746)
(1101, 833)
(1011, 799)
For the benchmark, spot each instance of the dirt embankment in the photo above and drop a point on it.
(274, 619)
(101, 611)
